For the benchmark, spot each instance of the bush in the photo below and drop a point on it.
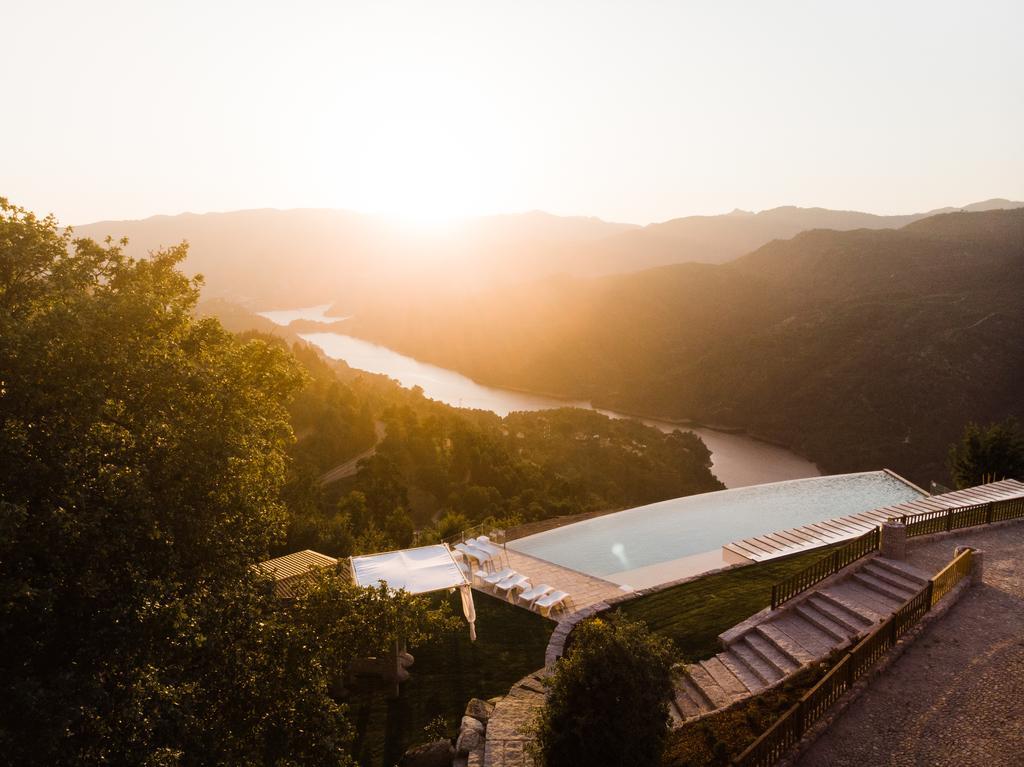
(608, 698)
(987, 454)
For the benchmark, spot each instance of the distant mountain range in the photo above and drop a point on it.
(860, 349)
(288, 258)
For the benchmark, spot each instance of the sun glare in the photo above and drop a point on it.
(421, 150)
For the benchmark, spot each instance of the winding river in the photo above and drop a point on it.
(737, 460)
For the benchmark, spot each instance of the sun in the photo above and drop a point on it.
(420, 152)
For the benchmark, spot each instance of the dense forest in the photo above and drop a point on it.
(437, 470)
(143, 455)
(860, 349)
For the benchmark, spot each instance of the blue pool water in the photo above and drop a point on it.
(669, 530)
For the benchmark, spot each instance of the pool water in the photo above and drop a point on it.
(649, 535)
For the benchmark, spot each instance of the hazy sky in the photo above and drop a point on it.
(632, 111)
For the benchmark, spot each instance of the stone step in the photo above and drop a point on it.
(770, 654)
(766, 671)
(849, 619)
(750, 678)
(727, 680)
(902, 569)
(707, 685)
(810, 613)
(892, 578)
(866, 615)
(882, 605)
(868, 581)
(684, 702)
(675, 714)
(785, 644)
(815, 641)
(693, 693)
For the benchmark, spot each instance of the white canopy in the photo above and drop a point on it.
(427, 568)
(419, 570)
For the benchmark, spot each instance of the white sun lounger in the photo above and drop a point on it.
(484, 544)
(536, 592)
(513, 582)
(548, 603)
(498, 576)
(473, 552)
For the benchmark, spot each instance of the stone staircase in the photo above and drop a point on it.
(774, 645)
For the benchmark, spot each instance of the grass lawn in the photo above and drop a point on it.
(447, 673)
(693, 614)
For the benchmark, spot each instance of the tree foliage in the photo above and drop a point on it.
(608, 698)
(986, 454)
(142, 456)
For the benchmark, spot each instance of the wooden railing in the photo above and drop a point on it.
(788, 729)
(927, 523)
(950, 575)
(828, 565)
(963, 516)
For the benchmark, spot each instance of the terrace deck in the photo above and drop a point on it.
(779, 544)
(585, 590)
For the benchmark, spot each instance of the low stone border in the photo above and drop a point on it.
(839, 707)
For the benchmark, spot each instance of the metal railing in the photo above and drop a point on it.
(484, 528)
(828, 565)
(788, 729)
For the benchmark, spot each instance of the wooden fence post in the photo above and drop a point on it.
(988, 512)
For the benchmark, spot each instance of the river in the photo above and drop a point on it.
(737, 460)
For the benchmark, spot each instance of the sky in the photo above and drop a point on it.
(631, 111)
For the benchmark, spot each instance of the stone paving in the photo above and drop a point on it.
(585, 590)
(954, 697)
(508, 741)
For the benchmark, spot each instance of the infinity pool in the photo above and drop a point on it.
(618, 545)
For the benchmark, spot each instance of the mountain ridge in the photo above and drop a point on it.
(270, 258)
(858, 349)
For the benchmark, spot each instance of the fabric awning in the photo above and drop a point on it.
(419, 570)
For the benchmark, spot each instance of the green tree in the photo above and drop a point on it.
(142, 455)
(986, 454)
(608, 698)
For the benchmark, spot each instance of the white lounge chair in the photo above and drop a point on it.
(484, 544)
(496, 553)
(474, 553)
(547, 604)
(513, 582)
(536, 592)
(494, 578)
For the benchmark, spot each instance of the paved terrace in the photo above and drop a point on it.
(771, 545)
(953, 698)
(584, 589)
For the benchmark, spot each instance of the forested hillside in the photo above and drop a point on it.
(859, 349)
(440, 469)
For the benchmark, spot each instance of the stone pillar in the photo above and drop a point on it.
(977, 563)
(894, 540)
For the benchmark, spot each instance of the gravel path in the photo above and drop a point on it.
(955, 696)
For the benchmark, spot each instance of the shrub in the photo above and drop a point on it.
(608, 698)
